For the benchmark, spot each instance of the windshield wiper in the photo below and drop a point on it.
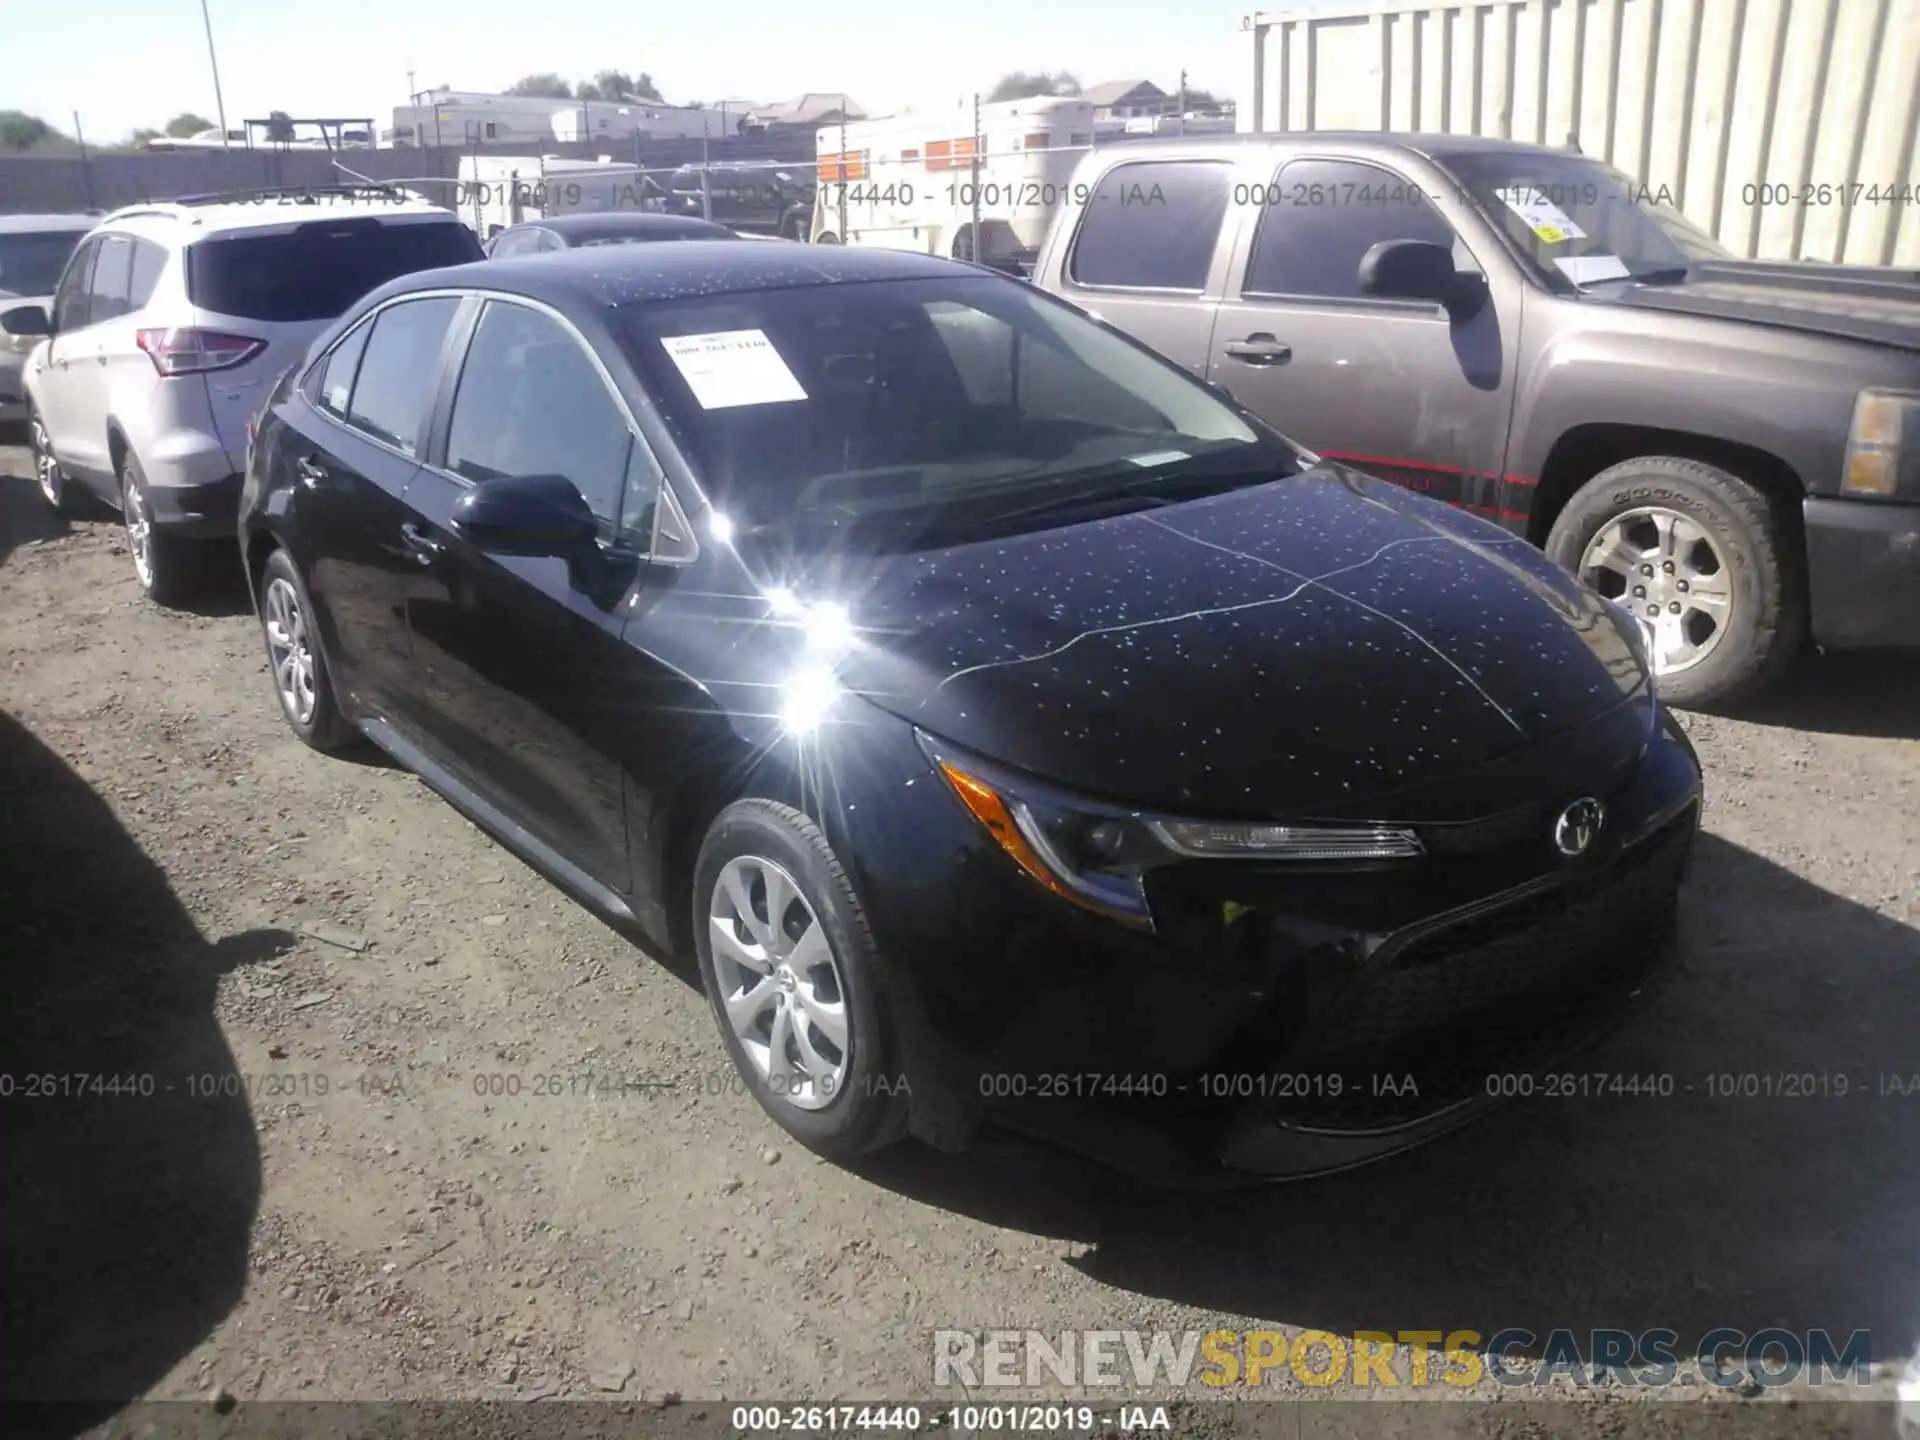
(1667, 275)
(1142, 493)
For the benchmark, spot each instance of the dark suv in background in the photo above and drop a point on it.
(769, 199)
(1729, 448)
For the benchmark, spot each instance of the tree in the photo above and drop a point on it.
(546, 85)
(21, 131)
(187, 123)
(139, 138)
(618, 85)
(1020, 85)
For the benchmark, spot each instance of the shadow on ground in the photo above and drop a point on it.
(1700, 1210)
(132, 1175)
(1873, 694)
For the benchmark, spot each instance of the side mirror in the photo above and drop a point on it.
(29, 320)
(1408, 270)
(526, 515)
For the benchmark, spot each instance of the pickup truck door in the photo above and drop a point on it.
(1407, 390)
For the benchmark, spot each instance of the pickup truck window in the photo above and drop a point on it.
(1152, 225)
(1319, 218)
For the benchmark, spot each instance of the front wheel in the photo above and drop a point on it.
(1700, 555)
(52, 480)
(795, 981)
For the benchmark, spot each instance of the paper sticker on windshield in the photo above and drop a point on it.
(1540, 215)
(1158, 457)
(1587, 269)
(733, 367)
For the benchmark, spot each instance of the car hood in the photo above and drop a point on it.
(1876, 304)
(1301, 647)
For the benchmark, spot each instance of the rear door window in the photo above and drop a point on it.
(334, 387)
(112, 279)
(318, 271)
(398, 368)
(1152, 226)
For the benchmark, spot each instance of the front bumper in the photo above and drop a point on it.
(1340, 1013)
(1863, 570)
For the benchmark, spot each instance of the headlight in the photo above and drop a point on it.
(1098, 855)
(1886, 431)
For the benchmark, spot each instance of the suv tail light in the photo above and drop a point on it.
(190, 351)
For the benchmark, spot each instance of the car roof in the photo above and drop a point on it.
(637, 222)
(42, 224)
(1375, 141)
(269, 212)
(598, 277)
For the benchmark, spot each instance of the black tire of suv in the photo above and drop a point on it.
(68, 500)
(328, 731)
(1769, 610)
(870, 1112)
(176, 565)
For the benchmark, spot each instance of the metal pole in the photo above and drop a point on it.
(413, 108)
(706, 161)
(219, 104)
(86, 160)
(1183, 102)
(840, 170)
(973, 236)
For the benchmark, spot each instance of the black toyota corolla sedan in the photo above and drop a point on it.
(1016, 729)
(603, 227)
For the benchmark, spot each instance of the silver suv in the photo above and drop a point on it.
(170, 324)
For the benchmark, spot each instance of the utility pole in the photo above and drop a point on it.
(840, 170)
(413, 105)
(219, 105)
(1183, 102)
(86, 161)
(973, 235)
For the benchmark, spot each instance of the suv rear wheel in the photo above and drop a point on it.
(167, 566)
(1699, 554)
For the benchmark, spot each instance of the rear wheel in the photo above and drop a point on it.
(170, 569)
(1701, 556)
(299, 671)
(795, 981)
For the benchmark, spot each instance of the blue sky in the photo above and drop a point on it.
(128, 63)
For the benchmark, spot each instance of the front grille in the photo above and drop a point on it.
(1499, 992)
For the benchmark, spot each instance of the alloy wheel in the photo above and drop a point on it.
(290, 651)
(133, 507)
(1669, 571)
(779, 983)
(46, 469)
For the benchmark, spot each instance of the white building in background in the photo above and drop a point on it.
(465, 119)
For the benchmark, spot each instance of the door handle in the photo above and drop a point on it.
(310, 471)
(422, 546)
(1260, 349)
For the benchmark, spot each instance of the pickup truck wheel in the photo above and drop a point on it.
(1699, 554)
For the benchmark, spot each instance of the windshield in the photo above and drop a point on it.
(922, 412)
(30, 263)
(1579, 221)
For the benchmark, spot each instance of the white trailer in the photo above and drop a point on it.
(496, 191)
(922, 180)
(1785, 128)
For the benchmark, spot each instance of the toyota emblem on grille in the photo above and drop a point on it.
(1578, 826)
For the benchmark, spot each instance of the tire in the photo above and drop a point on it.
(170, 569)
(67, 500)
(1678, 504)
(963, 244)
(286, 615)
(863, 1110)
(827, 237)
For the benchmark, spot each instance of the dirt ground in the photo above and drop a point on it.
(413, 1124)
